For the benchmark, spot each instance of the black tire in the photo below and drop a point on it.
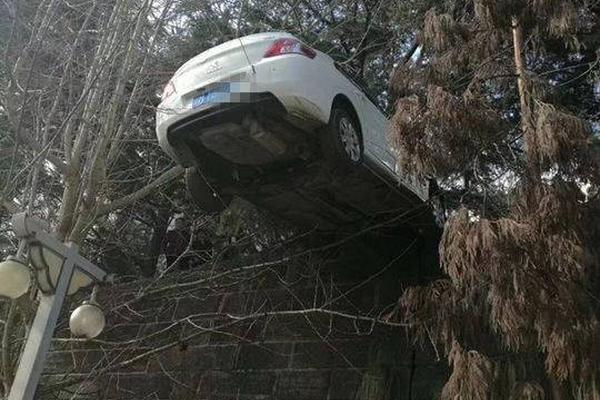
(342, 148)
(204, 194)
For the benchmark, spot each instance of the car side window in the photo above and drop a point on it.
(360, 84)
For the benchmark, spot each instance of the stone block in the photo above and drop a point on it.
(211, 384)
(263, 356)
(255, 383)
(187, 307)
(54, 387)
(344, 384)
(334, 353)
(138, 386)
(218, 357)
(302, 385)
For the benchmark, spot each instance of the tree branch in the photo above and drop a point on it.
(124, 201)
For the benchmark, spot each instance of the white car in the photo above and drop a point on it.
(245, 114)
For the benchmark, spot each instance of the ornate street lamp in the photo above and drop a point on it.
(59, 270)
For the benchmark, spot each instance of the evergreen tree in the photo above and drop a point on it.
(487, 111)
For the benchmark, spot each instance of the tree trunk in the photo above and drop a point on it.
(527, 122)
(155, 244)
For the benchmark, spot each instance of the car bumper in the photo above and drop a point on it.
(176, 138)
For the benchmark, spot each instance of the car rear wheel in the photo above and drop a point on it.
(342, 142)
(203, 193)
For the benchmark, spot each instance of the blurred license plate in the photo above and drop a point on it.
(219, 94)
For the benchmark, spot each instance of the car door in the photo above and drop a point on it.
(375, 125)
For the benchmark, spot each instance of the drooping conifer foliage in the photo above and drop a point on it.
(497, 107)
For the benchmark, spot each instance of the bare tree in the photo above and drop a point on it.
(76, 121)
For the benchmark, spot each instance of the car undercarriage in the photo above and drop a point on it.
(251, 150)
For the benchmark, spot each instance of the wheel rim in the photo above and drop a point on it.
(350, 139)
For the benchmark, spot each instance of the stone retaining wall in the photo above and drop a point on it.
(200, 343)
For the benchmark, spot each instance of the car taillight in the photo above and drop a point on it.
(289, 46)
(168, 91)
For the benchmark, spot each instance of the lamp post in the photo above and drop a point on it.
(59, 270)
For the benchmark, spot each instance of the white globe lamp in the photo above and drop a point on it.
(87, 320)
(15, 278)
